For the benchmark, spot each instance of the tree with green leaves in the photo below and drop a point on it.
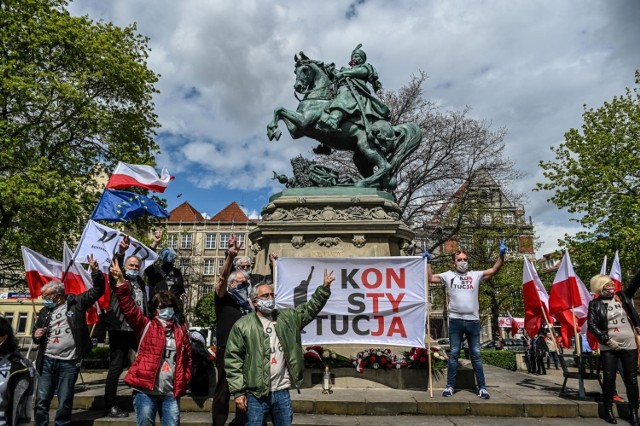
(204, 314)
(596, 173)
(75, 98)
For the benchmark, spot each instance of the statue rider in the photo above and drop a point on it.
(354, 98)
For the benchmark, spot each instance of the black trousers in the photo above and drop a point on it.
(629, 361)
(220, 405)
(119, 344)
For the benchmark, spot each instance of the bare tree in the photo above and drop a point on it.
(454, 149)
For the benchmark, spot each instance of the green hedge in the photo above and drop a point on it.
(502, 359)
(99, 352)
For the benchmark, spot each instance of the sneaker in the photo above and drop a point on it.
(618, 399)
(116, 412)
(448, 391)
(482, 393)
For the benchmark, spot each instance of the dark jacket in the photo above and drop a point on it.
(246, 359)
(20, 388)
(77, 305)
(113, 316)
(597, 319)
(151, 343)
(165, 277)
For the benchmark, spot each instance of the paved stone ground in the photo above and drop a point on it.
(516, 399)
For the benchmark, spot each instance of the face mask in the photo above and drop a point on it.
(266, 306)
(462, 267)
(608, 292)
(166, 314)
(131, 274)
(49, 304)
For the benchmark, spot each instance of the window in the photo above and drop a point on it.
(224, 241)
(220, 263)
(509, 218)
(9, 317)
(240, 238)
(486, 218)
(207, 289)
(210, 241)
(186, 241)
(172, 241)
(22, 323)
(209, 266)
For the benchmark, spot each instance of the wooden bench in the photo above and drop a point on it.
(588, 369)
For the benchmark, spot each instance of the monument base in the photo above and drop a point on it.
(330, 222)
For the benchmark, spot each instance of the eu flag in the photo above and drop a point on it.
(122, 206)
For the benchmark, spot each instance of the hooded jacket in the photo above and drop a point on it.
(246, 359)
(20, 388)
(151, 342)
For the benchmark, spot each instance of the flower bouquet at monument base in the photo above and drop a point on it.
(319, 357)
(377, 359)
(419, 358)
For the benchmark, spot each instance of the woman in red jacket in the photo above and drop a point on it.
(162, 370)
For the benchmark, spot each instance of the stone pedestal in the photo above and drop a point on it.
(329, 222)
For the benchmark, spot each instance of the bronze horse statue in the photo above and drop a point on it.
(378, 148)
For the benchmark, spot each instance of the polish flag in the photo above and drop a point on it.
(514, 325)
(568, 292)
(536, 299)
(77, 280)
(126, 175)
(616, 272)
(39, 270)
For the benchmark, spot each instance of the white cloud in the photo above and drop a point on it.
(526, 66)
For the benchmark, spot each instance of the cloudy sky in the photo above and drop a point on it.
(525, 66)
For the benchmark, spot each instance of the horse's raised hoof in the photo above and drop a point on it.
(273, 133)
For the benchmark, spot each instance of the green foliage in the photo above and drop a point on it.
(204, 314)
(99, 352)
(502, 359)
(76, 98)
(596, 173)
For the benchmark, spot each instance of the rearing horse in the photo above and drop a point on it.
(376, 155)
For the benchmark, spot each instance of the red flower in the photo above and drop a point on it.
(372, 359)
(384, 360)
(423, 359)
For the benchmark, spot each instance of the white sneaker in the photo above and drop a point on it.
(482, 393)
(448, 391)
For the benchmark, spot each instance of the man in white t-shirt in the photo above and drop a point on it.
(464, 313)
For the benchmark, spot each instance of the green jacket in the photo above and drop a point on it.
(246, 360)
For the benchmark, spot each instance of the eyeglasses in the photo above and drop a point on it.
(266, 296)
(244, 266)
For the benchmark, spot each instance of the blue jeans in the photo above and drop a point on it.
(61, 376)
(278, 403)
(458, 330)
(147, 406)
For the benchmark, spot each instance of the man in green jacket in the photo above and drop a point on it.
(264, 353)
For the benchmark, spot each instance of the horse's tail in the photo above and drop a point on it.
(410, 136)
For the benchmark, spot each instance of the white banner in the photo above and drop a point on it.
(505, 322)
(378, 301)
(102, 242)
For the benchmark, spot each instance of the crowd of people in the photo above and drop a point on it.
(259, 356)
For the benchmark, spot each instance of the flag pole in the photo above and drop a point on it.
(430, 380)
(575, 332)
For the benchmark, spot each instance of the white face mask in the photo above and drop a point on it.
(462, 266)
(266, 306)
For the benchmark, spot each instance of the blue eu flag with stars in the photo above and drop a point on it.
(122, 206)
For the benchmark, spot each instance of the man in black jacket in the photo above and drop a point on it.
(63, 336)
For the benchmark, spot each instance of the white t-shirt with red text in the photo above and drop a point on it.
(463, 294)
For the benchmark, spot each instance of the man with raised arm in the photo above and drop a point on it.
(462, 288)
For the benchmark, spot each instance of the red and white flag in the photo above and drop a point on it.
(514, 325)
(568, 292)
(39, 270)
(616, 272)
(126, 175)
(78, 280)
(536, 299)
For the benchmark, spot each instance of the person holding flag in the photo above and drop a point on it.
(613, 319)
(464, 313)
(61, 332)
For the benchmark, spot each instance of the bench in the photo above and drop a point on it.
(588, 368)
